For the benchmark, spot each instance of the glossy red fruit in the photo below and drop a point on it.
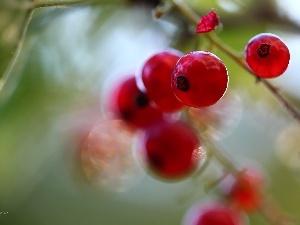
(170, 150)
(267, 55)
(199, 79)
(127, 102)
(246, 191)
(215, 213)
(156, 75)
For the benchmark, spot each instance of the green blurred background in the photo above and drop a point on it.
(54, 93)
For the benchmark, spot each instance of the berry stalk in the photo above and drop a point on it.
(194, 18)
(271, 212)
(269, 209)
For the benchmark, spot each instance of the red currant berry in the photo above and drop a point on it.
(199, 79)
(127, 102)
(212, 214)
(246, 190)
(267, 55)
(170, 150)
(156, 75)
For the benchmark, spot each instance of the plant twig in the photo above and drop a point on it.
(269, 210)
(54, 3)
(223, 159)
(43, 4)
(287, 106)
(18, 48)
(30, 8)
(211, 185)
(194, 18)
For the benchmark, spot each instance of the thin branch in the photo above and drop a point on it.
(287, 106)
(269, 210)
(35, 4)
(194, 18)
(223, 159)
(43, 4)
(30, 8)
(213, 184)
(18, 49)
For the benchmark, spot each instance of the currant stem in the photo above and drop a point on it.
(223, 160)
(269, 209)
(43, 4)
(289, 107)
(161, 10)
(215, 183)
(19, 46)
(271, 212)
(30, 9)
(204, 165)
(194, 18)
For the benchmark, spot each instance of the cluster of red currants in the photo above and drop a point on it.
(169, 81)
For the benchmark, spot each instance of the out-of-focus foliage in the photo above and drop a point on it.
(53, 98)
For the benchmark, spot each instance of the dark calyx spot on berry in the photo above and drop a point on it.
(263, 50)
(126, 115)
(156, 161)
(141, 100)
(182, 83)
